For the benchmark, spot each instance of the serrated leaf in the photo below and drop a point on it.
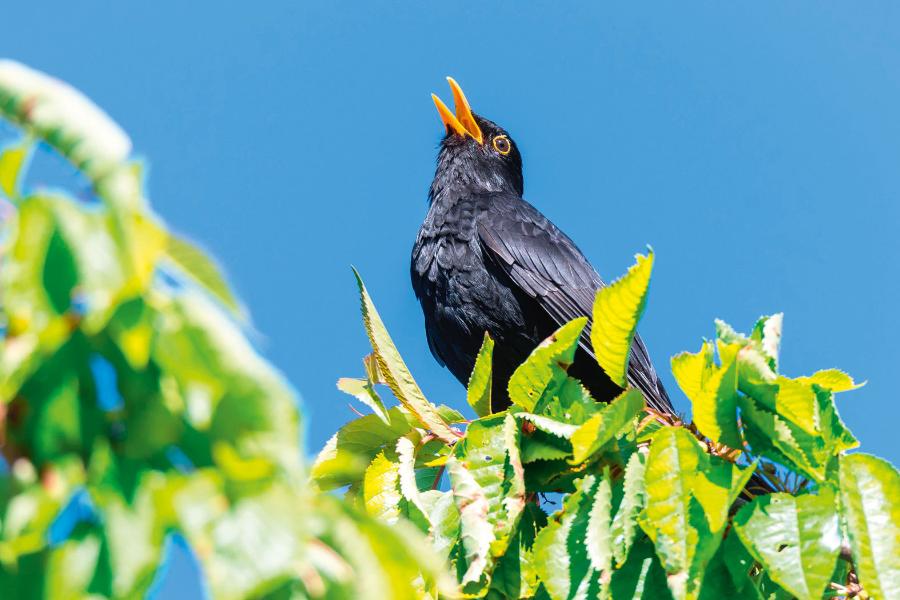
(599, 538)
(605, 425)
(691, 369)
(560, 554)
(625, 525)
(688, 494)
(478, 392)
(362, 390)
(796, 539)
(381, 488)
(490, 453)
(545, 368)
(832, 379)
(476, 532)
(712, 391)
(870, 503)
(767, 333)
(548, 425)
(617, 310)
(395, 372)
(409, 489)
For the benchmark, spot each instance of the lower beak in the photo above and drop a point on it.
(463, 122)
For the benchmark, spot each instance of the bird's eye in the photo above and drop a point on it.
(502, 145)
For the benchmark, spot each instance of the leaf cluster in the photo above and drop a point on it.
(561, 497)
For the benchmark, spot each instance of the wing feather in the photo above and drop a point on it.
(545, 264)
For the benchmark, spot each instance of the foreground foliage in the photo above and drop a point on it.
(757, 498)
(132, 407)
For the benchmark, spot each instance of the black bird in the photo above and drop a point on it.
(487, 260)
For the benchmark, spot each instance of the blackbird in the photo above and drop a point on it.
(485, 260)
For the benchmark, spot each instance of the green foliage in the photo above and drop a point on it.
(132, 407)
(756, 498)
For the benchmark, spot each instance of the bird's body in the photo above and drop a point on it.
(485, 260)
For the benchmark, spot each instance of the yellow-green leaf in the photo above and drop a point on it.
(381, 488)
(478, 393)
(832, 379)
(870, 493)
(395, 372)
(605, 425)
(362, 390)
(11, 160)
(545, 368)
(617, 310)
(797, 539)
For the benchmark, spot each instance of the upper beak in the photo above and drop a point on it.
(463, 122)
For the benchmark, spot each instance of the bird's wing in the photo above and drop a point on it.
(546, 265)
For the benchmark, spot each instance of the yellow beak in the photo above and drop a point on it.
(463, 122)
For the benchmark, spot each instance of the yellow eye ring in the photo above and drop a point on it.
(502, 144)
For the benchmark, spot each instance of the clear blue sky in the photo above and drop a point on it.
(755, 145)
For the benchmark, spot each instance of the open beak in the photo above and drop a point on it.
(463, 122)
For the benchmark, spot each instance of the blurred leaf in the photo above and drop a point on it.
(545, 368)
(394, 371)
(870, 503)
(347, 454)
(617, 310)
(606, 425)
(12, 158)
(796, 539)
(197, 264)
(478, 392)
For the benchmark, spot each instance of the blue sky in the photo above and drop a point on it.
(755, 146)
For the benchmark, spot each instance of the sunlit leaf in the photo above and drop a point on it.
(395, 372)
(12, 158)
(617, 310)
(796, 539)
(545, 368)
(832, 379)
(478, 392)
(198, 265)
(870, 503)
(363, 391)
(625, 525)
(605, 425)
(476, 531)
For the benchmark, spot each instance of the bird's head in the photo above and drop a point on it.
(476, 154)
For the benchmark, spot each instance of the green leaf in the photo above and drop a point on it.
(476, 532)
(362, 390)
(490, 454)
(625, 523)
(832, 379)
(641, 577)
(713, 393)
(617, 310)
(381, 488)
(548, 425)
(545, 368)
(599, 538)
(478, 392)
(767, 334)
(796, 539)
(12, 158)
(606, 425)
(688, 494)
(406, 458)
(560, 553)
(395, 372)
(348, 453)
(203, 269)
(870, 503)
